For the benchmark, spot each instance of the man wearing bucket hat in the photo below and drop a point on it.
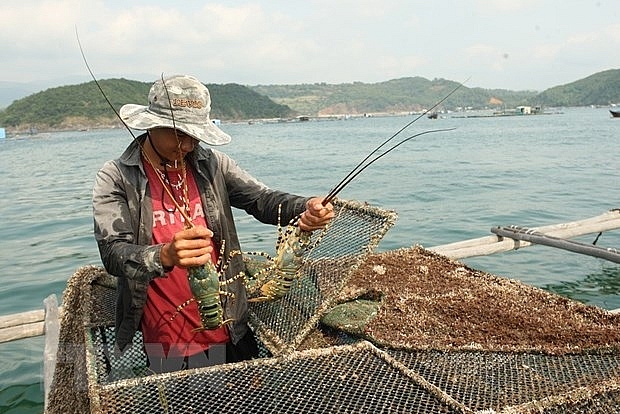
(141, 203)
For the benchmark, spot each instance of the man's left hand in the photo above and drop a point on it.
(316, 216)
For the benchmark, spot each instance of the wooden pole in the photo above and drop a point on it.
(21, 327)
(521, 233)
(495, 244)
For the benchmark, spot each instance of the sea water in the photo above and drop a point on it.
(445, 186)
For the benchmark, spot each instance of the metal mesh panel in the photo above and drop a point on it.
(111, 367)
(337, 380)
(100, 336)
(357, 229)
(361, 379)
(495, 380)
(605, 403)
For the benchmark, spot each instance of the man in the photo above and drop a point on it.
(164, 206)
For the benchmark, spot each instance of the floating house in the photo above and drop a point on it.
(528, 110)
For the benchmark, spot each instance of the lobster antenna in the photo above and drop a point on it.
(188, 221)
(351, 176)
(346, 179)
(174, 125)
(92, 75)
(185, 216)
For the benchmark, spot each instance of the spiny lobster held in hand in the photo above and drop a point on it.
(206, 281)
(275, 279)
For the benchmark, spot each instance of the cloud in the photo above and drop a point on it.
(501, 43)
(504, 6)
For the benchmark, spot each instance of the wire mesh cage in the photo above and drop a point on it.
(362, 378)
(357, 377)
(353, 234)
(355, 231)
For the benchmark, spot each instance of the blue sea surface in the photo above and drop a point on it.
(445, 186)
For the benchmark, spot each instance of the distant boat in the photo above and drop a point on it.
(615, 113)
(432, 115)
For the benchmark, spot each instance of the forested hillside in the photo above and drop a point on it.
(602, 88)
(73, 105)
(393, 96)
(77, 106)
(417, 93)
(80, 106)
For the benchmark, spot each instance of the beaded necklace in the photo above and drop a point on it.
(167, 186)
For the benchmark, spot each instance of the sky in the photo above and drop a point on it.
(505, 44)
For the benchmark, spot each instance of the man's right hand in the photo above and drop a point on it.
(190, 247)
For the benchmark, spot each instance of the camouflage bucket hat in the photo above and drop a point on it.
(180, 102)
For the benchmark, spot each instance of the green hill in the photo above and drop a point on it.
(602, 88)
(80, 106)
(415, 94)
(393, 96)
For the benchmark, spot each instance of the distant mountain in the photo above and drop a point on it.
(78, 106)
(11, 91)
(393, 96)
(81, 106)
(602, 88)
(415, 94)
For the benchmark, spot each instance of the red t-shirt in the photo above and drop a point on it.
(165, 294)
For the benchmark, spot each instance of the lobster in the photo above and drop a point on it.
(276, 277)
(205, 281)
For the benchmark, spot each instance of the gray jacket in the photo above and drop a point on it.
(123, 223)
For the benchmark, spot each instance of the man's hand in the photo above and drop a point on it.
(316, 216)
(191, 247)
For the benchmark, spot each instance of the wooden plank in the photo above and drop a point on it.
(486, 245)
(23, 325)
(22, 318)
(23, 331)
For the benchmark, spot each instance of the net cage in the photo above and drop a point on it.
(349, 375)
(356, 230)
